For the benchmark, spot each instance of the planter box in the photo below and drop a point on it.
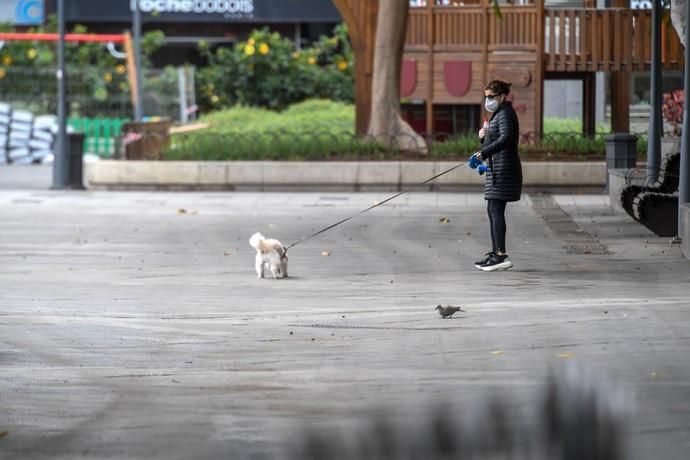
(352, 175)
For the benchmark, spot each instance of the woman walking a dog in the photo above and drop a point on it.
(500, 137)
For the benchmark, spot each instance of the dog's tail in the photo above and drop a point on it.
(255, 240)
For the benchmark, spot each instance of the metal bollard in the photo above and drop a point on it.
(75, 175)
(621, 152)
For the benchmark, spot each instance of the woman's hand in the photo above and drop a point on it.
(474, 161)
(482, 133)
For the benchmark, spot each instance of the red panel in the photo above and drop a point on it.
(408, 79)
(457, 76)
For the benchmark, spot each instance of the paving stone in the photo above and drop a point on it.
(130, 329)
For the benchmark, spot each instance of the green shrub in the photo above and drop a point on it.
(323, 130)
(310, 115)
(267, 71)
(569, 125)
(459, 145)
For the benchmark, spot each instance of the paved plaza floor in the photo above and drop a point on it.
(132, 324)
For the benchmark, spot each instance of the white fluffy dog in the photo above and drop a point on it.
(269, 253)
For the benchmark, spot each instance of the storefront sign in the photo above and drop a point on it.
(243, 9)
(196, 11)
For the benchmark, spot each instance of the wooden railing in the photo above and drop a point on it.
(517, 28)
(592, 40)
(460, 25)
(575, 40)
(468, 28)
(417, 28)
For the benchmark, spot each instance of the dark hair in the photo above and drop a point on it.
(498, 87)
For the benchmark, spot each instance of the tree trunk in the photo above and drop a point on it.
(387, 125)
(678, 18)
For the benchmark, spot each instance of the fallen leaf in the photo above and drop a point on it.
(226, 253)
(468, 233)
(654, 375)
(444, 220)
(565, 355)
(497, 352)
(326, 253)
(3, 434)
(182, 211)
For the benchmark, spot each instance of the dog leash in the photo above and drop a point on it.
(342, 221)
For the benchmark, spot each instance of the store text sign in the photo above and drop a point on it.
(228, 8)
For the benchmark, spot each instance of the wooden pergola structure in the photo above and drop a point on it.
(452, 51)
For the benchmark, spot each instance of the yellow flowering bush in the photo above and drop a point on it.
(267, 71)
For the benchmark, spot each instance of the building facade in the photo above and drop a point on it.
(218, 22)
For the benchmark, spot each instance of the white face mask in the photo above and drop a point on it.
(491, 105)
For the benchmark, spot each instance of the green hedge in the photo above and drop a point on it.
(323, 130)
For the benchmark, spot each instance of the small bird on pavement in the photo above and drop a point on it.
(446, 311)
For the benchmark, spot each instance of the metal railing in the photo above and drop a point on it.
(323, 145)
(97, 93)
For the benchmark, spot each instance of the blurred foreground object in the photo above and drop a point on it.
(576, 417)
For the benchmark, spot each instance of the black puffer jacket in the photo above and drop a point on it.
(504, 178)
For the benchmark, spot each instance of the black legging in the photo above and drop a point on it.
(497, 219)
